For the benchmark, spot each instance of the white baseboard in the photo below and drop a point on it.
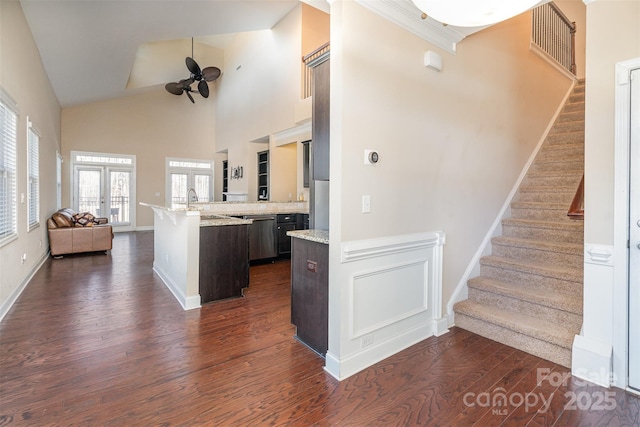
(6, 306)
(144, 228)
(344, 368)
(591, 361)
(187, 303)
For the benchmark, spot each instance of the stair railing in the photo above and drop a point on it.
(307, 82)
(555, 34)
(576, 210)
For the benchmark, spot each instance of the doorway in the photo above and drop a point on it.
(104, 185)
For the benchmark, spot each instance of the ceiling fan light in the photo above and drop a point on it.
(473, 13)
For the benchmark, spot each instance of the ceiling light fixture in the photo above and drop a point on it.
(473, 13)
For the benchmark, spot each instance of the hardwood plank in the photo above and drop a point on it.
(99, 340)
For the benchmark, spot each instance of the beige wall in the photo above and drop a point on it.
(153, 126)
(315, 29)
(22, 77)
(613, 36)
(257, 96)
(451, 144)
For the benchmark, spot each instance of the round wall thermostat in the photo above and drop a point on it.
(373, 157)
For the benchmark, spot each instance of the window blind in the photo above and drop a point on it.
(34, 178)
(8, 137)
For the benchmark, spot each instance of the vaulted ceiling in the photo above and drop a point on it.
(89, 47)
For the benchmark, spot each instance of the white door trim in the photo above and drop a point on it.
(621, 223)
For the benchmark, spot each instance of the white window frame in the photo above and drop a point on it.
(108, 161)
(8, 168)
(33, 176)
(190, 167)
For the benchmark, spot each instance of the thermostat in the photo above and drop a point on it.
(371, 157)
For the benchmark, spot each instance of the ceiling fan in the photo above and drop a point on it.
(202, 76)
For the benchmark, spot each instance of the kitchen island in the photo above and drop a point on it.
(201, 251)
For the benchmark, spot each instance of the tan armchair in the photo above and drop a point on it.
(70, 233)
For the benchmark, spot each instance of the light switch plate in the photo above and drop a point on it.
(366, 203)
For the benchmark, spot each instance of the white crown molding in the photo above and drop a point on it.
(405, 14)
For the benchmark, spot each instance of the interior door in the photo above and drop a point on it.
(634, 236)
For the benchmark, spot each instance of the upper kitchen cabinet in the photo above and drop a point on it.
(320, 118)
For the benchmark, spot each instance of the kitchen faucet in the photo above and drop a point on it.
(189, 198)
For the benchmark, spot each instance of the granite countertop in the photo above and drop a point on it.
(319, 236)
(213, 220)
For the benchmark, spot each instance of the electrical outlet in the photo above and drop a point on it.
(367, 340)
(23, 259)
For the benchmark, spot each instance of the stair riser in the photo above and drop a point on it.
(529, 254)
(577, 96)
(514, 305)
(562, 165)
(533, 280)
(526, 196)
(555, 138)
(577, 106)
(567, 127)
(541, 214)
(566, 236)
(562, 152)
(569, 179)
(570, 116)
(542, 349)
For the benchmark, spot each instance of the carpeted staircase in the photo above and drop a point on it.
(529, 292)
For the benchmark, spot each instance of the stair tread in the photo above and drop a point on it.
(539, 205)
(570, 248)
(558, 300)
(547, 189)
(536, 328)
(557, 173)
(541, 223)
(563, 272)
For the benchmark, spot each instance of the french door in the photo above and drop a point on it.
(634, 235)
(105, 190)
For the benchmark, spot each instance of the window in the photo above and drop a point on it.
(183, 174)
(104, 185)
(33, 189)
(8, 137)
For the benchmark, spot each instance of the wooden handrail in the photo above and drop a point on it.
(576, 210)
(324, 46)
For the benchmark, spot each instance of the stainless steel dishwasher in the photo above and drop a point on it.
(262, 237)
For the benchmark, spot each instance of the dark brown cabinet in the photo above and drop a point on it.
(310, 293)
(224, 261)
(320, 120)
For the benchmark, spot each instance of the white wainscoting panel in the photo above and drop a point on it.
(392, 299)
(388, 295)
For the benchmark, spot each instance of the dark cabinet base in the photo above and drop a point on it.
(224, 262)
(310, 293)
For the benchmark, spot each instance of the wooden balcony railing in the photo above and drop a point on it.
(307, 76)
(576, 210)
(555, 34)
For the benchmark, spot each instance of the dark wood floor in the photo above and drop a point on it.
(99, 340)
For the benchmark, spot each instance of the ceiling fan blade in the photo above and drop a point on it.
(203, 88)
(185, 83)
(190, 97)
(211, 73)
(174, 88)
(192, 65)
